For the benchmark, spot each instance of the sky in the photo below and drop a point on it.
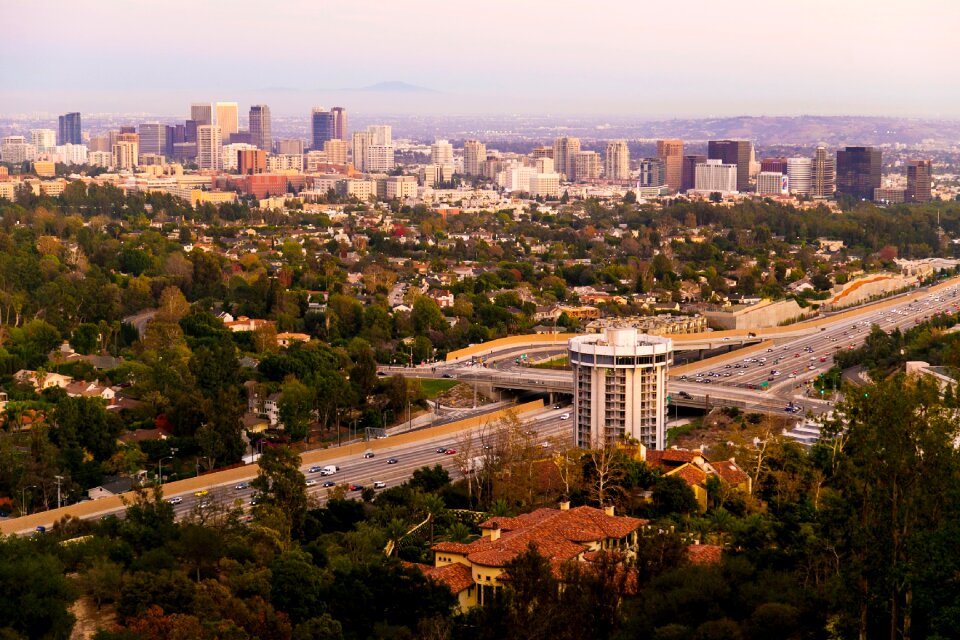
(643, 58)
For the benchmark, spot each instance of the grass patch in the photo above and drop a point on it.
(675, 433)
(560, 362)
(433, 388)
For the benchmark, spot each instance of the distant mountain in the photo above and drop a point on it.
(396, 86)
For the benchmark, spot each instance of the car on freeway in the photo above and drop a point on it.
(241, 486)
(564, 416)
(447, 375)
(205, 504)
(356, 487)
(441, 449)
(379, 484)
(392, 461)
(450, 452)
(315, 469)
(329, 483)
(556, 406)
(368, 454)
(175, 500)
(254, 501)
(201, 493)
(311, 483)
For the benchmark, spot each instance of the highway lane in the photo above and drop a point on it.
(550, 428)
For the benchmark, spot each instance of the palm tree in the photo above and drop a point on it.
(458, 532)
(500, 509)
(433, 506)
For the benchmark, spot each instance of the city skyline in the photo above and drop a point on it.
(649, 71)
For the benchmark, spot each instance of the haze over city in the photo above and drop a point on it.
(647, 60)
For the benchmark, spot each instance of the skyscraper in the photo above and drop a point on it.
(43, 139)
(716, 176)
(738, 152)
(228, 119)
(858, 171)
(69, 131)
(209, 147)
(800, 171)
(565, 151)
(616, 160)
(474, 155)
(335, 151)
(153, 138)
(322, 127)
(260, 134)
(689, 173)
(339, 123)
(290, 147)
(586, 166)
(441, 153)
(919, 181)
(671, 152)
(201, 113)
(823, 174)
(373, 149)
(652, 172)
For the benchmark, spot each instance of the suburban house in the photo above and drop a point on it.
(694, 468)
(41, 381)
(474, 571)
(114, 487)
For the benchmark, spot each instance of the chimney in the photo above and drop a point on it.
(565, 505)
(608, 510)
(494, 531)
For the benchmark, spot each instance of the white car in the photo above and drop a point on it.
(311, 483)
(176, 500)
(565, 416)
(379, 484)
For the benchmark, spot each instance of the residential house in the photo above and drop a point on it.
(562, 535)
(113, 487)
(41, 381)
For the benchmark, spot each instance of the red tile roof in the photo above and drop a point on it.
(558, 535)
(456, 577)
(729, 471)
(693, 475)
(704, 553)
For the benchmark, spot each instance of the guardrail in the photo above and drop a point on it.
(112, 504)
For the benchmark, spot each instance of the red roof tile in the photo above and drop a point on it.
(704, 553)
(693, 475)
(729, 471)
(455, 577)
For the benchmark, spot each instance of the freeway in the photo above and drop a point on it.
(225, 489)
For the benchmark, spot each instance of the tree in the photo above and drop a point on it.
(319, 628)
(173, 306)
(429, 479)
(34, 594)
(102, 581)
(672, 494)
(530, 600)
(296, 586)
(296, 408)
(603, 473)
(283, 486)
(426, 315)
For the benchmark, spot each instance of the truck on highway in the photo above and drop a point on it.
(329, 470)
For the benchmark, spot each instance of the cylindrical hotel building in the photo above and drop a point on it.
(620, 387)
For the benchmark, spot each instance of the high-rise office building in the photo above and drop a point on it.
(800, 172)
(652, 172)
(773, 183)
(735, 152)
(919, 181)
(335, 151)
(620, 387)
(339, 123)
(858, 171)
(616, 160)
(228, 119)
(586, 166)
(671, 152)
(125, 154)
(565, 151)
(69, 130)
(251, 161)
(474, 154)
(43, 139)
(209, 147)
(290, 147)
(716, 176)
(322, 127)
(260, 132)
(373, 149)
(153, 138)
(16, 149)
(201, 113)
(689, 171)
(441, 153)
(774, 164)
(823, 174)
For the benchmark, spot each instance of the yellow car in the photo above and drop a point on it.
(201, 493)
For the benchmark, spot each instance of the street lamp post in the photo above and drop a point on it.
(59, 479)
(23, 499)
(160, 468)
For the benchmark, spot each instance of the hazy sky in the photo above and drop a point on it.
(647, 58)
